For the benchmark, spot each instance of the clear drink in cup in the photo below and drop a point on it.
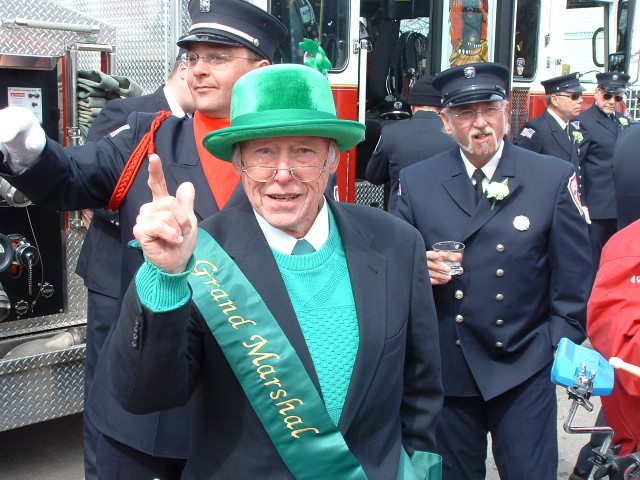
(454, 260)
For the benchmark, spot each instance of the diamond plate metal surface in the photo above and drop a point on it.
(39, 41)
(41, 387)
(369, 194)
(145, 39)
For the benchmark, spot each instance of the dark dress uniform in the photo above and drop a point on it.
(402, 144)
(626, 176)
(544, 134)
(599, 192)
(525, 286)
(98, 263)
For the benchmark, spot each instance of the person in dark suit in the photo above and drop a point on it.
(524, 286)
(101, 245)
(602, 123)
(626, 176)
(225, 41)
(408, 141)
(554, 132)
(321, 363)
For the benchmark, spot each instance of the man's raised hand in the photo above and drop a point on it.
(167, 227)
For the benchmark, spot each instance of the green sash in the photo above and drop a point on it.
(272, 375)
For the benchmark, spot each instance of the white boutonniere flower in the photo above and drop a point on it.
(497, 191)
(577, 136)
(623, 121)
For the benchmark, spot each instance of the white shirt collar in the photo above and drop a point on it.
(284, 243)
(489, 169)
(561, 122)
(175, 107)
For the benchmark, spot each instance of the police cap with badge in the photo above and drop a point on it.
(564, 83)
(613, 82)
(472, 83)
(234, 23)
(423, 93)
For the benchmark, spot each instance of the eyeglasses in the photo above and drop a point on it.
(215, 61)
(574, 96)
(489, 113)
(609, 96)
(303, 174)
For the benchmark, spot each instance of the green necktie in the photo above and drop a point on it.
(302, 248)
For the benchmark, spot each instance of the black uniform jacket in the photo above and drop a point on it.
(550, 139)
(527, 266)
(101, 245)
(402, 144)
(599, 194)
(395, 391)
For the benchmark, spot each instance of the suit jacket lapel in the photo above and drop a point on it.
(558, 134)
(458, 185)
(506, 170)
(367, 270)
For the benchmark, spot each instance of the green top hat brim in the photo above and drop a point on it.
(346, 133)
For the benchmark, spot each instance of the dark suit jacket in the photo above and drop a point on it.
(84, 177)
(626, 176)
(550, 139)
(101, 245)
(398, 345)
(527, 266)
(598, 190)
(404, 143)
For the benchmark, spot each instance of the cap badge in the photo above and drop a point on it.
(469, 72)
(205, 5)
(615, 77)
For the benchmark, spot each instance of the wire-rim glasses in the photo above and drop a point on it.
(303, 173)
(215, 61)
(489, 113)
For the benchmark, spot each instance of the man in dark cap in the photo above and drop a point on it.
(523, 285)
(227, 39)
(406, 142)
(602, 124)
(554, 132)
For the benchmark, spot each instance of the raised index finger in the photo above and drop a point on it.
(156, 181)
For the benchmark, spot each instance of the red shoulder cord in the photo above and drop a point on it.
(145, 148)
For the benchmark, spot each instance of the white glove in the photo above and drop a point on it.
(22, 139)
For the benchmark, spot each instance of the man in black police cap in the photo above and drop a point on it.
(523, 286)
(554, 132)
(227, 39)
(405, 142)
(602, 124)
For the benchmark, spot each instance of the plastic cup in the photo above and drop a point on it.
(454, 259)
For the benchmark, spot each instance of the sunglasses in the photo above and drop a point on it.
(609, 96)
(574, 96)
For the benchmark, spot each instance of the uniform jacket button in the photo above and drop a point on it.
(499, 322)
(499, 272)
(459, 294)
(499, 345)
(458, 342)
(459, 318)
(499, 248)
(499, 297)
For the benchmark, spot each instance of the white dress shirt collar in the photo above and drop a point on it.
(284, 243)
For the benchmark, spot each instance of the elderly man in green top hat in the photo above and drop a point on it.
(305, 327)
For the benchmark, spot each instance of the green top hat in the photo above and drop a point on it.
(282, 101)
